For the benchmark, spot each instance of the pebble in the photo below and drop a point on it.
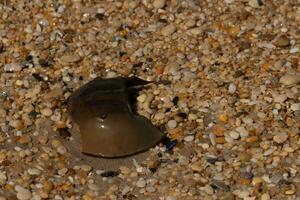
(61, 150)
(189, 138)
(279, 98)
(141, 98)
(197, 167)
(125, 190)
(150, 189)
(168, 30)
(290, 192)
(172, 123)
(171, 198)
(23, 194)
(34, 171)
(254, 3)
(280, 137)
(295, 107)
(12, 67)
(242, 131)
(86, 168)
(265, 196)
(191, 23)
(195, 31)
(70, 58)
(290, 79)
(46, 112)
(141, 183)
(159, 4)
(3, 178)
(235, 135)
(231, 88)
(282, 41)
(257, 180)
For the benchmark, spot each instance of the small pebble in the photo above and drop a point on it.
(235, 135)
(295, 107)
(3, 178)
(290, 79)
(61, 150)
(12, 67)
(280, 137)
(231, 88)
(279, 98)
(168, 30)
(171, 198)
(150, 189)
(265, 196)
(86, 168)
(141, 183)
(46, 112)
(290, 192)
(142, 98)
(69, 58)
(195, 31)
(255, 3)
(172, 124)
(159, 3)
(189, 138)
(242, 131)
(282, 41)
(34, 171)
(23, 194)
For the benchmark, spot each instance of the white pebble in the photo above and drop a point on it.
(141, 183)
(212, 138)
(290, 79)
(159, 3)
(234, 135)
(172, 123)
(189, 138)
(168, 30)
(61, 150)
(231, 88)
(295, 107)
(34, 171)
(23, 194)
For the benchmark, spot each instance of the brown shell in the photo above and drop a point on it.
(108, 127)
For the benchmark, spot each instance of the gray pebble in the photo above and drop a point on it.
(189, 138)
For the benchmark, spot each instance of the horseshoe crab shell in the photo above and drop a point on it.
(108, 127)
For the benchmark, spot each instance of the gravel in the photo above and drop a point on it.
(225, 86)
